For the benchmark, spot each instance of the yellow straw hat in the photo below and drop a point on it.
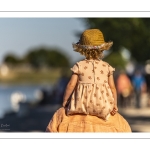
(92, 39)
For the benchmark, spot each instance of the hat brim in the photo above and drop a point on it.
(105, 46)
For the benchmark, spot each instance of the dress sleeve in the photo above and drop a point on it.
(110, 70)
(75, 69)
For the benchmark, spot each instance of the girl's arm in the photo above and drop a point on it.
(114, 92)
(70, 87)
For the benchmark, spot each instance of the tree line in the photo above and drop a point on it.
(39, 57)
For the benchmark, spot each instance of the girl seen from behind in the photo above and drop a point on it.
(91, 89)
(90, 98)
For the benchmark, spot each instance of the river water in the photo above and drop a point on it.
(6, 92)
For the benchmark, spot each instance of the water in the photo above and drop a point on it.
(7, 90)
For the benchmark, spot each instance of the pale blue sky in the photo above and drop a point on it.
(19, 35)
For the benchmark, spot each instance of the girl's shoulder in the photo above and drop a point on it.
(80, 62)
(105, 63)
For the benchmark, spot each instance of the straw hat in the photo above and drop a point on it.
(92, 39)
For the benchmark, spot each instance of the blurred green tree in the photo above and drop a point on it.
(131, 33)
(116, 60)
(39, 57)
(12, 59)
(49, 57)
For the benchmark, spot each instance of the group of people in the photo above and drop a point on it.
(90, 99)
(131, 89)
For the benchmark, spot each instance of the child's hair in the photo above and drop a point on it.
(92, 44)
(92, 53)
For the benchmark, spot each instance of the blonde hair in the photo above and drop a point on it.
(91, 54)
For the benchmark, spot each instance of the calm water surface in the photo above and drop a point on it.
(7, 90)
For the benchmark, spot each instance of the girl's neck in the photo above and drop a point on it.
(92, 59)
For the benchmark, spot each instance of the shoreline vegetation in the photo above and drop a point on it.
(40, 65)
(27, 75)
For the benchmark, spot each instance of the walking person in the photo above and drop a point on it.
(139, 85)
(124, 90)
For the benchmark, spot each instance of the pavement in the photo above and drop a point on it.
(138, 119)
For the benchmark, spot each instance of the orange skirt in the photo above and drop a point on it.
(86, 123)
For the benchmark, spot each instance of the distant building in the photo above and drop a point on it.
(4, 70)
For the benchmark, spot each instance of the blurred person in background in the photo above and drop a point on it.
(59, 88)
(147, 77)
(124, 89)
(139, 84)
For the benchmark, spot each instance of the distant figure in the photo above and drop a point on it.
(60, 88)
(124, 89)
(139, 85)
(147, 77)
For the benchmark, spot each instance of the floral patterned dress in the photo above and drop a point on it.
(92, 95)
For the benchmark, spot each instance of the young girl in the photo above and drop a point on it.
(91, 89)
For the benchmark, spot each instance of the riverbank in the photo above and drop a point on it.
(25, 75)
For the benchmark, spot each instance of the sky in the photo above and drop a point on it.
(20, 35)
